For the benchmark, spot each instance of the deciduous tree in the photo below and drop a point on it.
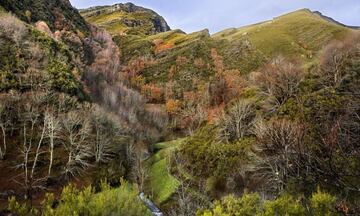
(75, 135)
(238, 121)
(279, 81)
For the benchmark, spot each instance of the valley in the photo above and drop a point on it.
(100, 105)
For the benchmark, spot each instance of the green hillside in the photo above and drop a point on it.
(126, 19)
(257, 120)
(300, 33)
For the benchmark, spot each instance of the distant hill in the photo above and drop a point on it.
(126, 19)
(300, 33)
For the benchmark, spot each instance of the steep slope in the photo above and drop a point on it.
(58, 14)
(298, 34)
(186, 64)
(54, 71)
(253, 123)
(126, 19)
(31, 60)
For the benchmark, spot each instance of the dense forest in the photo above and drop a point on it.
(100, 105)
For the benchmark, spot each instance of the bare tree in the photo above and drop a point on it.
(279, 81)
(333, 62)
(103, 148)
(12, 27)
(281, 144)
(74, 136)
(52, 125)
(139, 170)
(196, 115)
(107, 136)
(186, 205)
(31, 150)
(4, 123)
(238, 121)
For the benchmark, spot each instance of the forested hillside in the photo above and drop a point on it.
(99, 105)
(66, 115)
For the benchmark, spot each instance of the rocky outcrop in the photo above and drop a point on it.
(329, 19)
(43, 27)
(132, 16)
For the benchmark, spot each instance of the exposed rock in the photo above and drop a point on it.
(139, 17)
(43, 27)
(58, 14)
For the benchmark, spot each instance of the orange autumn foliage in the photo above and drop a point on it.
(234, 83)
(172, 106)
(218, 61)
(153, 93)
(134, 67)
(215, 112)
(132, 72)
(161, 46)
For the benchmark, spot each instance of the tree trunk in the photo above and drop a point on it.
(37, 152)
(51, 155)
(3, 150)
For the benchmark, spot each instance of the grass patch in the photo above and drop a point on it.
(161, 184)
(169, 145)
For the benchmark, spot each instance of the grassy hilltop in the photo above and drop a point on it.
(100, 104)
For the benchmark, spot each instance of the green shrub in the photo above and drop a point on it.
(210, 185)
(284, 205)
(247, 205)
(21, 209)
(207, 157)
(322, 204)
(61, 78)
(7, 80)
(121, 201)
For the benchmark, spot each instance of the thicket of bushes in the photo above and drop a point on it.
(320, 204)
(72, 201)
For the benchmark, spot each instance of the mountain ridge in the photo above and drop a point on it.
(318, 13)
(335, 21)
(268, 108)
(126, 18)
